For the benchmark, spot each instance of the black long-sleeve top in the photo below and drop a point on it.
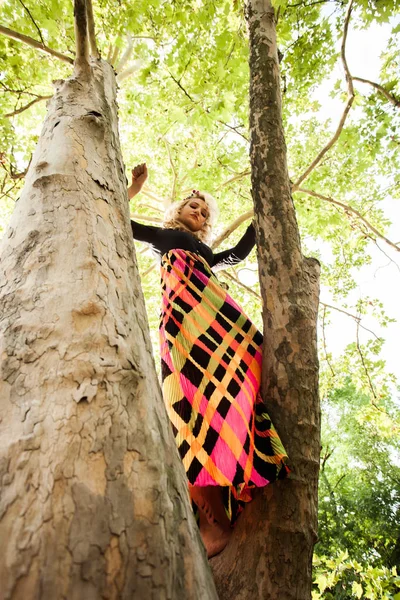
(164, 240)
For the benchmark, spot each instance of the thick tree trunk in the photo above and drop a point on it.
(93, 498)
(270, 555)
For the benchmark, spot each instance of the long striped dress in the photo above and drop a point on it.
(211, 370)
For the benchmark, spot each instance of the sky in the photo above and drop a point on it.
(381, 279)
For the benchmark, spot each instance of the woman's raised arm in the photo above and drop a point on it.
(139, 176)
(228, 258)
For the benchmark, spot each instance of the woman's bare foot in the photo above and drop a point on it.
(215, 537)
(215, 527)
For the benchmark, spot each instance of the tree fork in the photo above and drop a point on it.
(270, 555)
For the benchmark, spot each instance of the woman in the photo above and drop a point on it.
(211, 360)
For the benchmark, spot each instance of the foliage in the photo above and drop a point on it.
(341, 578)
(359, 497)
(359, 503)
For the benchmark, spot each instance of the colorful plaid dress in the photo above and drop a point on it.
(211, 370)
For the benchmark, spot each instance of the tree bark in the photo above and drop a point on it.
(270, 554)
(94, 496)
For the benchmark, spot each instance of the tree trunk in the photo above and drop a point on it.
(94, 496)
(270, 555)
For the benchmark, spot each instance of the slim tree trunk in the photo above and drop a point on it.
(93, 497)
(270, 555)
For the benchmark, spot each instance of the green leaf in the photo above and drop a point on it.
(357, 589)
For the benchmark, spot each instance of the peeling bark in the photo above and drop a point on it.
(93, 496)
(270, 555)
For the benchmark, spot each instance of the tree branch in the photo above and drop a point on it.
(13, 175)
(14, 35)
(23, 108)
(348, 209)
(19, 92)
(350, 100)
(326, 457)
(7, 192)
(324, 342)
(350, 89)
(330, 491)
(175, 176)
(151, 207)
(178, 83)
(91, 29)
(390, 259)
(235, 178)
(239, 283)
(355, 317)
(304, 5)
(33, 21)
(231, 228)
(234, 129)
(124, 74)
(256, 295)
(146, 218)
(363, 363)
(81, 33)
(381, 89)
(12, 91)
(126, 55)
(114, 55)
(339, 480)
(146, 192)
(109, 54)
(195, 165)
(149, 270)
(328, 146)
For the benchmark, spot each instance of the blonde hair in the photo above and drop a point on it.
(171, 216)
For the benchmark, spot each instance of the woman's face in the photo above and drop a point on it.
(194, 214)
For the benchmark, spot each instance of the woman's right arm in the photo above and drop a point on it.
(142, 233)
(139, 176)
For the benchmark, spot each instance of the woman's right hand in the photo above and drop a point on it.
(139, 176)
